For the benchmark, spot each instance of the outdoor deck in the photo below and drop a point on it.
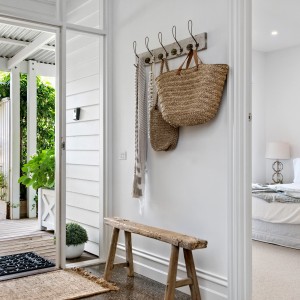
(19, 236)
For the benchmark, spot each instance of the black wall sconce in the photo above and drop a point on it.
(76, 114)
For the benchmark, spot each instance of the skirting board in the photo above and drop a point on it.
(212, 287)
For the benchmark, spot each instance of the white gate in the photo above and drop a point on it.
(5, 140)
(46, 209)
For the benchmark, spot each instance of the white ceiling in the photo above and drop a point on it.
(279, 15)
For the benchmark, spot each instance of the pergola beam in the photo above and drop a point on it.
(39, 42)
(24, 44)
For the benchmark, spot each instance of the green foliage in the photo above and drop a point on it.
(45, 116)
(3, 187)
(39, 171)
(75, 234)
(4, 85)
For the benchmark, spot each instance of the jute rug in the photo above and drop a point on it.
(56, 285)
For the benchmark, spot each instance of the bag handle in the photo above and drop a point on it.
(164, 62)
(192, 54)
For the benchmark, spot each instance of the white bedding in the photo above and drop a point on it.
(275, 212)
(277, 222)
(289, 187)
(287, 235)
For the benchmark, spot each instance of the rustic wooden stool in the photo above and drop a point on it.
(177, 240)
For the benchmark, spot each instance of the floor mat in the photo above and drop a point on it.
(23, 262)
(55, 285)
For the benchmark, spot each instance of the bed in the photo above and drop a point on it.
(275, 221)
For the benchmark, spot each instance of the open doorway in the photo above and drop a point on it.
(275, 150)
(81, 128)
(27, 142)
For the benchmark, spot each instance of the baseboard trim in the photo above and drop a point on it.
(212, 286)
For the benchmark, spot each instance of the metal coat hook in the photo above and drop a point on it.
(147, 60)
(190, 28)
(174, 51)
(160, 56)
(134, 49)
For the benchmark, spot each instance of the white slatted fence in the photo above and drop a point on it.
(5, 139)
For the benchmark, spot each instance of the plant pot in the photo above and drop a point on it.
(7, 211)
(23, 209)
(74, 251)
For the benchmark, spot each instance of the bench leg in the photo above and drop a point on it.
(129, 258)
(191, 273)
(111, 255)
(171, 282)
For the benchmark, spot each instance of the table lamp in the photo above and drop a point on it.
(277, 151)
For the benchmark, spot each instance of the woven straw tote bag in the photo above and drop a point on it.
(163, 136)
(191, 96)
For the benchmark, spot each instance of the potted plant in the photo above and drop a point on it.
(76, 237)
(3, 200)
(39, 172)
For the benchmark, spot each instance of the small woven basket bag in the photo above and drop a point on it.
(163, 136)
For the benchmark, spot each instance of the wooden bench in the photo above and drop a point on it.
(176, 240)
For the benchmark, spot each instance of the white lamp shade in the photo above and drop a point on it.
(278, 150)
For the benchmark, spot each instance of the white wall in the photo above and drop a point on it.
(83, 142)
(283, 105)
(276, 108)
(187, 187)
(84, 169)
(258, 120)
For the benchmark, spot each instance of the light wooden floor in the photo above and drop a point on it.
(19, 236)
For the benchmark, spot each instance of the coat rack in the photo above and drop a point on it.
(176, 49)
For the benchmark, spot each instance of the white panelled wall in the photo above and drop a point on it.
(83, 169)
(187, 187)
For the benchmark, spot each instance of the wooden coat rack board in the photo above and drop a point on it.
(173, 49)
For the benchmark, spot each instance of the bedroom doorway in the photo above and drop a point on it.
(275, 150)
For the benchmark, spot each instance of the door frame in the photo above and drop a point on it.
(60, 26)
(239, 118)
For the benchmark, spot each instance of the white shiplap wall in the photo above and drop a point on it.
(83, 141)
(85, 13)
(24, 8)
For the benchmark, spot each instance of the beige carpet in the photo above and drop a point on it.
(276, 272)
(56, 285)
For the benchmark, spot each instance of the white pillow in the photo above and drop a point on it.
(296, 163)
(286, 187)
